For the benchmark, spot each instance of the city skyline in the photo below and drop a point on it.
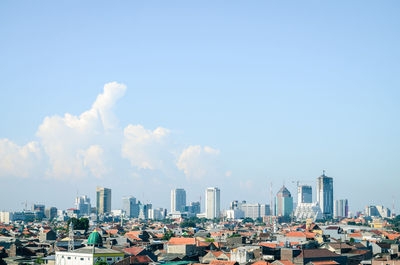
(202, 94)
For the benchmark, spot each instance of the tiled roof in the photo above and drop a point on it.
(140, 259)
(133, 250)
(182, 241)
(284, 262)
(222, 262)
(261, 262)
(317, 253)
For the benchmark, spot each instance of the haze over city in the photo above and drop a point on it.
(144, 97)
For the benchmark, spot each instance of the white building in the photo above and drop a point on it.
(306, 211)
(157, 214)
(89, 255)
(82, 203)
(234, 214)
(340, 208)
(6, 217)
(178, 200)
(212, 203)
(254, 210)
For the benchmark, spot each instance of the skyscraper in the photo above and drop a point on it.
(82, 203)
(284, 203)
(325, 195)
(304, 194)
(178, 200)
(130, 206)
(103, 200)
(340, 208)
(212, 203)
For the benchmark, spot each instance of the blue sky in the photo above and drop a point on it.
(279, 90)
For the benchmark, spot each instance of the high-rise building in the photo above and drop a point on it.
(50, 213)
(82, 203)
(212, 203)
(304, 194)
(130, 207)
(254, 210)
(325, 195)
(38, 209)
(194, 208)
(144, 210)
(284, 203)
(103, 200)
(340, 208)
(178, 200)
(377, 211)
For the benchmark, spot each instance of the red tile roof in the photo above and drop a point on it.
(222, 262)
(133, 250)
(182, 241)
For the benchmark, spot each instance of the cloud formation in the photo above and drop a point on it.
(199, 162)
(93, 145)
(18, 161)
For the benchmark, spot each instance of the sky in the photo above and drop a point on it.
(146, 96)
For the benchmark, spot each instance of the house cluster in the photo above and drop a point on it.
(215, 243)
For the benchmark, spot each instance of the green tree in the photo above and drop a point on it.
(79, 224)
(101, 262)
(188, 223)
(248, 220)
(168, 234)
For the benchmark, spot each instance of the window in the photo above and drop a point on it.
(82, 258)
(69, 258)
(109, 259)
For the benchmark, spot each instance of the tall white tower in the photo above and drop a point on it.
(212, 203)
(178, 200)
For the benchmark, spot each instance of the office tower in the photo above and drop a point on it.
(284, 203)
(38, 210)
(82, 203)
(194, 208)
(340, 208)
(103, 200)
(130, 207)
(377, 211)
(50, 213)
(234, 205)
(304, 194)
(212, 203)
(254, 210)
(325, 195)
(178, 200)
(144, 210)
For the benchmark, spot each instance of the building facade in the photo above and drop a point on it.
(341, 208)
(212, 203)
(325, 195)
(283, 203)
(304, 194)
(82, 203)
(103, 200)
(178, 200)
(130, 207)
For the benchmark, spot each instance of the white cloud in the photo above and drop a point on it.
(147, 149)
(19, 161)
(199, 162)
(94, 160)
(92, 144)
(68, 141)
